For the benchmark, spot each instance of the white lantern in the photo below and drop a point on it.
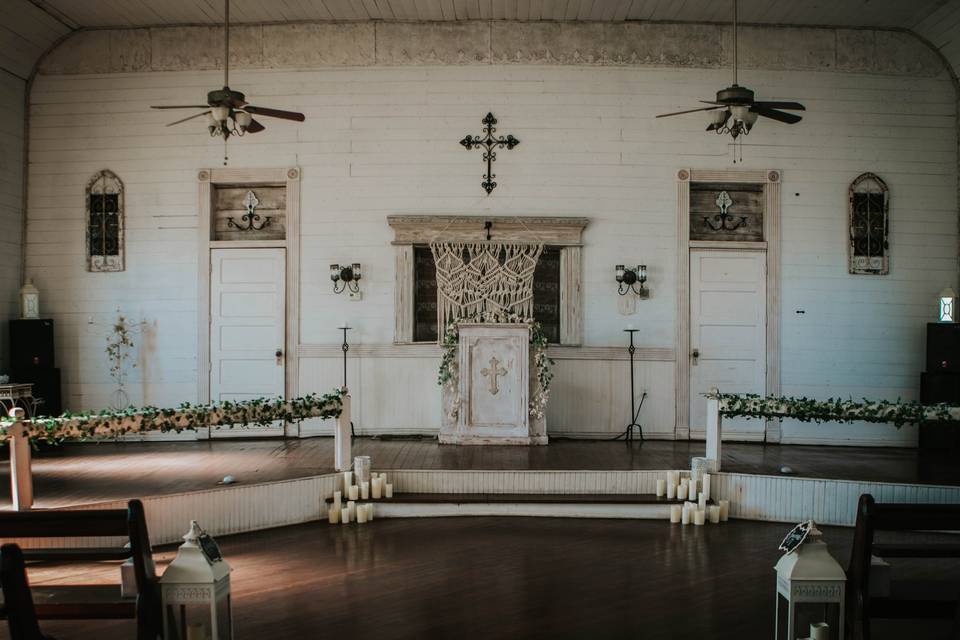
(811, 582)
(947, 305)
(195, 590)
(29, 301)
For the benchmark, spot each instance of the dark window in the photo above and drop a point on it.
(104, 224)
(546, 294)
(869, 225)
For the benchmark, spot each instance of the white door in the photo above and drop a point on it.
(728, 326)
(247, 330)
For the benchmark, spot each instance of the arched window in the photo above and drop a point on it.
(869, 226)
(105, 217)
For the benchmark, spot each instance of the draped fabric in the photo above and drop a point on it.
(489, 282)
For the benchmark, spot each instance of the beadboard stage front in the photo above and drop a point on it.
(286, 483)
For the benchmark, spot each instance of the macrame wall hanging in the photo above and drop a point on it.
(489, 282)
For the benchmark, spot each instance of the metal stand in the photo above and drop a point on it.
(346, 347)
(634, 409)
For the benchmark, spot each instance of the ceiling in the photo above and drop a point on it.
(29, 27)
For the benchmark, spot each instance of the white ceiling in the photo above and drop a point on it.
(29, 27)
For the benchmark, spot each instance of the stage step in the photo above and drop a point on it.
(432, 505)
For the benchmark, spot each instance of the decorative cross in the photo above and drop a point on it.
(488, 143)
(493, 373)
(250, 202)
(723, 218)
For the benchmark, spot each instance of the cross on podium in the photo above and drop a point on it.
(494, 372)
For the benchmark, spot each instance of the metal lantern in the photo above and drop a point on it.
(811, 582)
(29, 301)
(947, 303)
(195, 590)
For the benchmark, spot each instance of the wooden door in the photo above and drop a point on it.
(728, 320)
(247, 330)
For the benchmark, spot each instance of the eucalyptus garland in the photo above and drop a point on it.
(834, 409)
(449, 373)
(186, 417)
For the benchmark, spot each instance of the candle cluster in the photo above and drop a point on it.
(694, 492)
(375, 488)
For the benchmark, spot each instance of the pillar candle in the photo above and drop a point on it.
(383, 479)
(362, 514)
(702, 502)
(672, 491)
(353, 492)
(698, 517)
(685, 516)
(820, 631)
(676, 512)
(706, 485)
(344, 515)
(352, 509)
(714, 512)
(724, 510)
(347, 479)
(661, 488)
(376, 488)
(365, 490)
(388, 490)
(673, 477)
(692, 488)
(369, 506)
(337, 496)
(334, 514)
(682, 492)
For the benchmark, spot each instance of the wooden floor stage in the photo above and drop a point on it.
(494, 578)
(94, 472)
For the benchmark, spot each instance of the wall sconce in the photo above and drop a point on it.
(630, 279)
(345, 277)
(948, 305)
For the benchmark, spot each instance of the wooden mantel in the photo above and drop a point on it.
(557, 231)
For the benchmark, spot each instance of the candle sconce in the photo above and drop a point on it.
(632, 279)
(345, 277)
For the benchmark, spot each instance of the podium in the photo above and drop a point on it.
(491, 402)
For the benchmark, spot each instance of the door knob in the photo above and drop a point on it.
(279, 355)
(695, 354)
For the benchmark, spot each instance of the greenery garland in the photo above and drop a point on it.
(186, 417)
(449, 374)
(833, 409)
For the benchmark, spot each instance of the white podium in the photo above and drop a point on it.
(494, 389)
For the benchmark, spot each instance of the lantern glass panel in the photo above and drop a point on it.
(947, 309)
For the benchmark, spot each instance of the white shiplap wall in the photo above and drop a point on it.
(384, 140)
(11, 201)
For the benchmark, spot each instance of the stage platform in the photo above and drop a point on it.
(282, 482)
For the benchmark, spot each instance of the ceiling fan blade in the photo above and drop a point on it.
(680, 113)
(275, 113)
(181, 106)
(196, 115)
(255, 127)
(796, 106)
(780, 116)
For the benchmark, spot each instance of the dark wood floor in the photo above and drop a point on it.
(86, 472)
(495, 578)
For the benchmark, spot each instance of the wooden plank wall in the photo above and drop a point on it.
(11, 202)
(382, 140)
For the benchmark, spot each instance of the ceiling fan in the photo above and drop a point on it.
(228, 113)
(735, 111)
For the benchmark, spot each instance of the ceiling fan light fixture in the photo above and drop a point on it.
(740, 112)
(242, 119)
(220, 113)
(718, 117)
(750, 118)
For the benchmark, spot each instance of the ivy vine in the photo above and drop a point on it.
(804, 409)
(186, 417)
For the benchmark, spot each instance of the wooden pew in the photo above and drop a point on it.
(22, 617)
(907, 600)
(85, 602)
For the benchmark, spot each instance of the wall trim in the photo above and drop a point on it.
(432, 350)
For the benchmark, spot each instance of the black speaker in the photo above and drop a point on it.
(31, 345)
(46, 385)
(940, 387)
(943, 347)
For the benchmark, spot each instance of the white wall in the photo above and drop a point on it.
(383, 140)
(11, 202)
